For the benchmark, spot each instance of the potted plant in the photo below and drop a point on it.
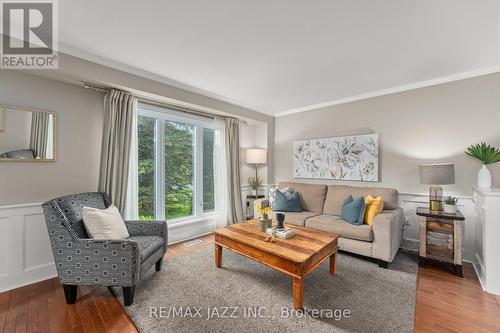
(264, 221)
(487, 155)
(254, 183)
(450, 205)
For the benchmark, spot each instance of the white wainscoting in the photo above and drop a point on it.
(25, 253)
(410, 201)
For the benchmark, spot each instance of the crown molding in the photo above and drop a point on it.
(394, 90)
(64, 48)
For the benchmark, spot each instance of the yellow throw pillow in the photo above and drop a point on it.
(374, 206)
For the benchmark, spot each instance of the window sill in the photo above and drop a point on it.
(181, 222)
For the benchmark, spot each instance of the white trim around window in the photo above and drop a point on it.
(162, 114)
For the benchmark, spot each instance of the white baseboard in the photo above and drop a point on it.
(26, 277)
(479, 268)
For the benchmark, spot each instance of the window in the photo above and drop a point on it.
(179, 169)
(146, 138)
(175, 164)
(208, 170)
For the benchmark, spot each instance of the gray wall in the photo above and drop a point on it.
(79, 130)
(424, 125)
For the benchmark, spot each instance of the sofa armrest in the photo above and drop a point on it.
(149, 228)
(264, 202)
(387, 234)
(98, 262)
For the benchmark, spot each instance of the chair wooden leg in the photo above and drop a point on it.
(128, 295)
(159, 264)
(70, 292)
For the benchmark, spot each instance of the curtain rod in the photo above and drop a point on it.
(87, 85)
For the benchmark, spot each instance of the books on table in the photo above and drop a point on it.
(283, 233)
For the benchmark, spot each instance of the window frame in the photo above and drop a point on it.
(162, 114)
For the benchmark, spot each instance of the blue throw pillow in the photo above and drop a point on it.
(287, 203)
(353, 210)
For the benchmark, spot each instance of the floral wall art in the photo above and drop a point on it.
(344, 158)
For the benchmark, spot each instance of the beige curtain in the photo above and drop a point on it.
(39, 133)
(233, 170)
(119, 114)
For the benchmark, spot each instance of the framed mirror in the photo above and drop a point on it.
(27, 135)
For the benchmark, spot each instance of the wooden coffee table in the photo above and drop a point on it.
(297, 256)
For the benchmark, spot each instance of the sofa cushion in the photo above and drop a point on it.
(272, 193)
(287, 202)
(390, 195)
(353, 211)
(147, 245)
(311, 196)
(294, 218)
(336, 225)
(336, 195)
(374, 206)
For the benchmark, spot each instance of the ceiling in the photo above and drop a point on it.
(286, 56)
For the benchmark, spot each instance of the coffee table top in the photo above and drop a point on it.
(299, 248)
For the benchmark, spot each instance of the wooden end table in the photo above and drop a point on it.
(441, 238)
(297, 256)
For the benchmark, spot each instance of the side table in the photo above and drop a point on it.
(441, 238)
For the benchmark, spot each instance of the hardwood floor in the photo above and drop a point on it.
(445, 303)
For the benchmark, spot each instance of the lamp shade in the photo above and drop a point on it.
(437, 173)
(256, 156)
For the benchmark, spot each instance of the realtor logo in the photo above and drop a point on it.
(29, 34)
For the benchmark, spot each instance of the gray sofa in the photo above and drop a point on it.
(81, 260)
(322, 204)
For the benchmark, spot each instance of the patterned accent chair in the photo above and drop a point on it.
(81, 260)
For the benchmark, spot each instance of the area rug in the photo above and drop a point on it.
(191, 295)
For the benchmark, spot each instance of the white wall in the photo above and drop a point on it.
(17, 131)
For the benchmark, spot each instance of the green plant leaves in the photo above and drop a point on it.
(449, 200)
(485, 153)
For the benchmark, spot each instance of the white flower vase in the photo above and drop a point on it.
(484, 177)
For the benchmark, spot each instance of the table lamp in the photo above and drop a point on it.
(256, 156)
(437, 174)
